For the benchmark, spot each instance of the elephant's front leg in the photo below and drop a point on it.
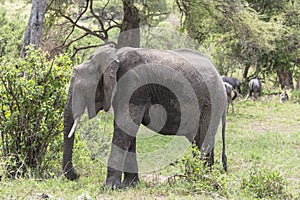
(120, 158)
(131, 177)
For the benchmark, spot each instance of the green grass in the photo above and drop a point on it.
(263, 150)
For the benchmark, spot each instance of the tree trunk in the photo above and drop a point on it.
(130, 32)
(245, 72)
(285, 78)
(35, 24)
(298, 82)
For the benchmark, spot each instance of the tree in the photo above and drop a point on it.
(283, 58)
(35, 25)
(92, 23)
(242, 34)
(130, 28)
(298, 82)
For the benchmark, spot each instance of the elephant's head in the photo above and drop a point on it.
(102, 66)
(91, 87)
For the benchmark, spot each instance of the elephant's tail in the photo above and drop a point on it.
(224, 158)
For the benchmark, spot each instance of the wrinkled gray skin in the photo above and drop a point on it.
(236, 84)
(92, 87)
(231, 95)
(254, 88)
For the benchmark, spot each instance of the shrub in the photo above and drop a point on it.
(199, 177)
(11, 35)
(33, 93)
(294, 96)
(265, 183)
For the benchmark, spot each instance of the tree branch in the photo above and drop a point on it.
(89, 47)
(67, 45)
(99, 20)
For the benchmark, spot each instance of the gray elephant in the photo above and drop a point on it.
(231, 95)
(236, 84)
(176, 92)
(254, 88)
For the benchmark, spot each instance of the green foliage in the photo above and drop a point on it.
(265, 183)
(199, 178)
(245, 33)
(200, 18)
(294, 96)
(96, 134)
(152, 12)
(11, 35)
(33, 93)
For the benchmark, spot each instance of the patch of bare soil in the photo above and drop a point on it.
(274, 125)
(154, 178)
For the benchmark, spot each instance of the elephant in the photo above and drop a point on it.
(254, 88)
(231, 95)
(173, 92)
(236, 84)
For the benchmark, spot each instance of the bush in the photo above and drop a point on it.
(294, 96)
(11, 35)
(199, 177)
(33, 93)
(266, 184)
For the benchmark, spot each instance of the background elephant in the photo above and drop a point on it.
(171, 92)
(231, 95)
(236, 84)
(254, 88)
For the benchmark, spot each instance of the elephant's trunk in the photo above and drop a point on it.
(68, 169)
(67, 165)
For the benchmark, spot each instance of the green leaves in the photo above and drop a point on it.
(33, 95)
(11, 35)
(245, 33)
(265, 184)
(200, 177)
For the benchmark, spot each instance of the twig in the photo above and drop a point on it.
(71, 42)
(89, 47)
(173, 178)
(98, 19)
(78, 18)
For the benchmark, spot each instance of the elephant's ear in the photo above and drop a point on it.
(84, 89)
(109, 83)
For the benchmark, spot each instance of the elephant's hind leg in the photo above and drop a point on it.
(204, 139)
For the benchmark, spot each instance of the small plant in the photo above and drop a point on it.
(266, 183)
(33, 94)
(294, 96)
(200, 177)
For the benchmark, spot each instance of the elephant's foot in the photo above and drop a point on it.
(72, 174)
(113, 182)
(130, 180)
(209, 159)
(113, 179)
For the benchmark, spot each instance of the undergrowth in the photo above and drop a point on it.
(266, 183)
